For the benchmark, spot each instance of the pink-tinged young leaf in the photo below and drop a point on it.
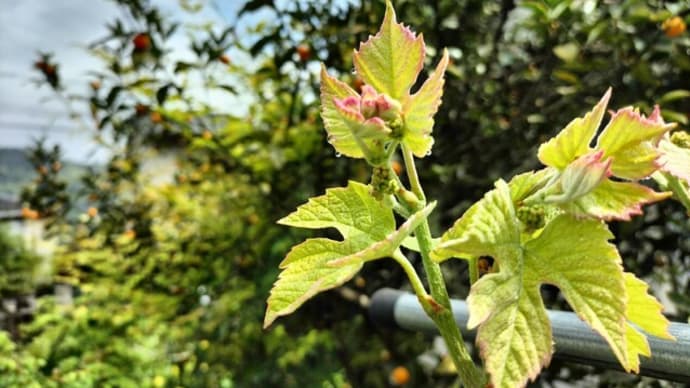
(391, 60)
(514, 334)
(388, 109)
(581, 177)
(372, 128)
(369, 96)
(368, 129)
(675, 160)
(614, 201)
(419, 110)
(573, 141)
(339, 131)
(349, 108)
(360, 219)
(631, 139)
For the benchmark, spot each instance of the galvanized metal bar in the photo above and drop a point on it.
(574, 340)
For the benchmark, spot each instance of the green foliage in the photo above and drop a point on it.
(17, 265)
(46, 195)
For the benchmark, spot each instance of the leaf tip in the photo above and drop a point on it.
(269, 318)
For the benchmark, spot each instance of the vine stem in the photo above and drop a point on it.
(412, 173)
(416, 282)
(474, 269)
(439, 308)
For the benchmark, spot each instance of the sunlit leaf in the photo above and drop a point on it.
(391, 243)
(478, 229)
(614, 201)
(675, 160)
(573, 141)
(644, 311)
(514, 335)
(391, 60)
(360, 219)
(420, 108)
(631, 139)
(339, 132)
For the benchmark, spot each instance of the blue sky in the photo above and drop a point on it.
(63, 27)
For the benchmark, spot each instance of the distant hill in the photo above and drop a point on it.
(16, 171)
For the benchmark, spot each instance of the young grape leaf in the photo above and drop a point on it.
(391, 60)
(614, 201)
(628, 143)
(419, 110)
(319, 264)
(339, 133)
(644, 311)
(573, 141)
(478, 229)
(514, 334)
(528, 183)
(581, 176)
(631, 139)
(675, 160)
(390, 244)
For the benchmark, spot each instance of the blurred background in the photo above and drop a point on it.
(148, 147)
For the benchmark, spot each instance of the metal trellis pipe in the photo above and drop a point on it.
(574, 340)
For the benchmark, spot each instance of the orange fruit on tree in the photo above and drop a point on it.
(142, 42)
(399, 376)
(304, 52)
(674, 26)
(29, 213)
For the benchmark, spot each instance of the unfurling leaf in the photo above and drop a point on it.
(391, 60)
(581, 177)
(514, 334)
(339, 133)
(628, 144)
(389, 64)
(319, 264)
